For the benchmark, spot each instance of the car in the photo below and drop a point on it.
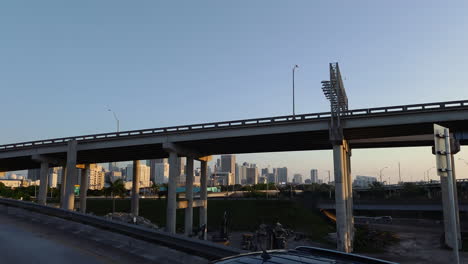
(299, 255)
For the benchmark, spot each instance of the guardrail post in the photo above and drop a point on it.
(84, 188)
(189, 196)
(204, 196)
(44, 179)
(69, 201)
(135, 188)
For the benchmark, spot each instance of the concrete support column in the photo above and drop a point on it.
(44, 180)
(135, 188)
(343, 197)
(171, 193)
(204, 196)
(189, 196)
(63, 186)
(446, 204)
(69, 201)
(84, 188)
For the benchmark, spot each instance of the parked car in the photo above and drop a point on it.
(309, 255)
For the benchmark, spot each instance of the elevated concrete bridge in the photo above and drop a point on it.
(394, 126)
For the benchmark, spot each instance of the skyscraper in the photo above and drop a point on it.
(282, 175)
(34, 174)
(251, 175)
(314, 175)
(96, 178)
(228, 163)
(297, 178)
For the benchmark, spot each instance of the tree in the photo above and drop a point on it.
(155, 188)
(116, 188)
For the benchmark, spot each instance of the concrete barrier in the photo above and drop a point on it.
(205, 249)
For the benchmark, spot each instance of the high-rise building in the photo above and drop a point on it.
(144, 173)
(314, 175)
(34, 174)
(271, 178)
(223, 178)
(129, 172)
(161, 173)
(237, 176)
(228, 163)
(251, 175)
(113, 166)
(53, 177)
(297, 178)
(115, 175)
(282, 174)
(181, 177)
(264, 171)
(96, 178)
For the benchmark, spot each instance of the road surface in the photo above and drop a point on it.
(27, 237)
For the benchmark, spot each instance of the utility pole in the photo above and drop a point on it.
(399, 173)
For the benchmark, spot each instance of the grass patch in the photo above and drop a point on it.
(245, 215)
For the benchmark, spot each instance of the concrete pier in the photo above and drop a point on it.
(63, 186)
(69, 201)
(135, 188)
(204, 195)
(171, 193)
(343, 197)
(84, 188)
(189, 196)
(44, 180)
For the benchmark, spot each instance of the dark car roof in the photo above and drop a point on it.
(300, 255)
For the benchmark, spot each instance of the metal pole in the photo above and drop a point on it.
(293, 71)
(294, 112)
(453, 221)
(116, 119)
(399, 173)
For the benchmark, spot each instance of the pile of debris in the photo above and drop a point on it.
(131, 219)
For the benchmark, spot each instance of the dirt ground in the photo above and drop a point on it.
(417, 245)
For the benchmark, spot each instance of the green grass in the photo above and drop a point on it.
(245, 215)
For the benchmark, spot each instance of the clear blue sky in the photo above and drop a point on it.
(63, 63)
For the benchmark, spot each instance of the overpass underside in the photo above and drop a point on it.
(378, 129)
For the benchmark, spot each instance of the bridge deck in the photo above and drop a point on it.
(395, 126)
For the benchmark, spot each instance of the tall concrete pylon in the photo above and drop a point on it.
(334, 91)
(171, 193)
(69, 197)
(136, 188)
(343, 197)
(204, 196)
(44, 179)
(189, 197)
(84, 188)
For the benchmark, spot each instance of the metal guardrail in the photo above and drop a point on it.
(401, 109)
(191, 246)
(400, 186)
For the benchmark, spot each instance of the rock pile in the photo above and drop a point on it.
(129, 218)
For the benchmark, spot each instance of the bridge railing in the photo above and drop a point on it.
(401, 109)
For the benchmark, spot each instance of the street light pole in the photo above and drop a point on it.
(116, 119)
(381, 173)
(293, 71)
(427, 172)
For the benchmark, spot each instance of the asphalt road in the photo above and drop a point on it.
(23, 243)
(32, 238)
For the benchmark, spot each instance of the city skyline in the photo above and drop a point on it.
(389, 165)
(118, 60)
